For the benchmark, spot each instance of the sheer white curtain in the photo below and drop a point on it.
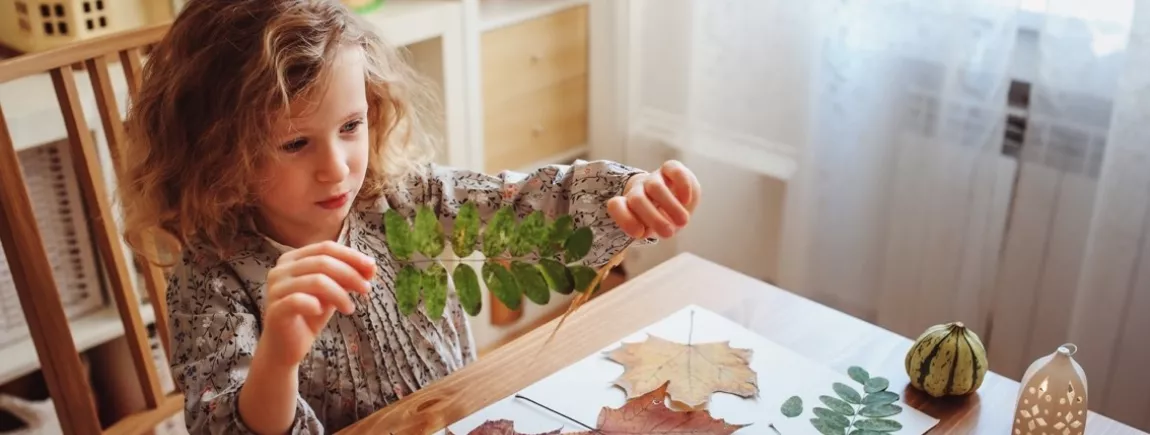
(978, 160)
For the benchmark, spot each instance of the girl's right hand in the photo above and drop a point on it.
(304, 289)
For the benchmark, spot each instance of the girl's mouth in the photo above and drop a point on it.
(334, 202)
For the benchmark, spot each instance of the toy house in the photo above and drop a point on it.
(36, 25)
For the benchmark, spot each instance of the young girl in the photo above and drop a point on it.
(267, 140)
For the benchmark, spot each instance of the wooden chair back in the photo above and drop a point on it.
(26, 255)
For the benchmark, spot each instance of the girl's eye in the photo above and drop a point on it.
(294, 145)
(351, 126)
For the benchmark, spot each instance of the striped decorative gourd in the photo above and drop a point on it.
(947, 360)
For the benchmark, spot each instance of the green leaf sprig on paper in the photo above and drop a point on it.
(531, 257)
(850, 413)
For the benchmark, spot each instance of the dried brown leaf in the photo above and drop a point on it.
(695, 371)
(499, 427)
(649, 414)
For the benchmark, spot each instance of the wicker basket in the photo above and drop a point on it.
(61, 218)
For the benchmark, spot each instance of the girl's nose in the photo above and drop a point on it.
(332, 166)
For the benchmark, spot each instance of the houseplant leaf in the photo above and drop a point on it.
(825, 427)
(833, 418)
(497, 235)
(467, 287)
(878, 425)
(502, 284)
(407, 284)
(556, 274)
(435, 290)
(428, 232)
(531, 282)
(398, 234)
(465, 232)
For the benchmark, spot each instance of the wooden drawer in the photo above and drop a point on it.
(536, 126)
(535, 54)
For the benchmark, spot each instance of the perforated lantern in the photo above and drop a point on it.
(1052, 399)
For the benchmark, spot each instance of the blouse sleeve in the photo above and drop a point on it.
(214, 337)
(581, 189)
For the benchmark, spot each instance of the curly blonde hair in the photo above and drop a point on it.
(212, 89)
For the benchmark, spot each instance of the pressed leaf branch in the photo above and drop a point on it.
(849, 412)
(530, 257)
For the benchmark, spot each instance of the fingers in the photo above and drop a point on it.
(627, 221)
(343, 274)
(301, 304)
(318, 285)
(682, 182)
(641, 206)
(363, 264)
(665, 201)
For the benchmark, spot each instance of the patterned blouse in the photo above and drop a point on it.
(361, 362)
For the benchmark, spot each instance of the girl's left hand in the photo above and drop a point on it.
(656, 204)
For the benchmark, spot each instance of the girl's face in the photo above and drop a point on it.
(309, 191)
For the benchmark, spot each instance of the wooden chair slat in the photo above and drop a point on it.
(133, 69)
(145, 422)
(154, 281)
(35, 63)
(107, 240)
(39, 298)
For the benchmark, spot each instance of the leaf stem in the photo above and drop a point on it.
(519, 396)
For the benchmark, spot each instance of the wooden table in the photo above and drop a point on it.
(811, 329)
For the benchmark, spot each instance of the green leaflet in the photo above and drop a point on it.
(428, 232)
(497, 234)
(835, 419)
(557, 276)
(435, 290)
(582, 276)
(837, 405)
(876, 384)
(557, 235)
(531, 234)
(467, 287)
(407, 284)
(883, 410)
(859, 374)
(825, 427)
(792, 407)
(465, 232)
(878, 425)
(850, 395)
(531, 257)
(502, 284)
(880, 397)
(578, 245)
(856, 414)
(398, 235)
(531, 282)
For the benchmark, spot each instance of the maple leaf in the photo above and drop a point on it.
(648, 414)
(695, 371)
(499, 427)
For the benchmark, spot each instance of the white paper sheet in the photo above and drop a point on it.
(584, 388)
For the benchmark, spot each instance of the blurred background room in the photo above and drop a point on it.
(908, 162)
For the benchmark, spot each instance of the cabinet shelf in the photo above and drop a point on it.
(500, 13)
(19, 357)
